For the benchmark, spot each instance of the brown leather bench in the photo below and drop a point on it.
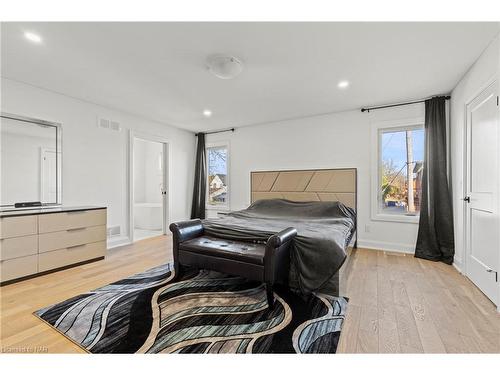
(267, 262)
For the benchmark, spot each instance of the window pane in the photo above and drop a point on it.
(402, 154)
(217, 175)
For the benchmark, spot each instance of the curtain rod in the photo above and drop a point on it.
(217, 131)
(368, 109)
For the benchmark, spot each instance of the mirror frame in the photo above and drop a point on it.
(58, 127)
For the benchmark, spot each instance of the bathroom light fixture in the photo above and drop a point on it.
(32, 37)
(343, 84)
(207, 113)
(224, 66)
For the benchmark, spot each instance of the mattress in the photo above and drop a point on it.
(324, 230)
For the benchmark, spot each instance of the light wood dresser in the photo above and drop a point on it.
(35, 242)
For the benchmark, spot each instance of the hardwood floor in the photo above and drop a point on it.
(400, 304)
(397, 303)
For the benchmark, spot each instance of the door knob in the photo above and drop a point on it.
(489, 270)
(467, 199)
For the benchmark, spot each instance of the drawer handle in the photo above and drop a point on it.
(75, 246)
(75, 229)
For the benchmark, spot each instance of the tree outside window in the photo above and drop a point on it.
(401, 170)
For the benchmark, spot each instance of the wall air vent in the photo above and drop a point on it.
(115, 126)
(114, 231)
(108, 124)
(103, 123)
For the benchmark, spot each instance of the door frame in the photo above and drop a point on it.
(465, 185)
(166, 178)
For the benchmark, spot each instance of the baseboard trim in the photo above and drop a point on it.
(458, 267)
(387, 246)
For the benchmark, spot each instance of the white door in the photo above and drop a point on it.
(149, 187)
(482, 188)
(48, 184)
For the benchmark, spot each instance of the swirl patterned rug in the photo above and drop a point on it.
(202, 312)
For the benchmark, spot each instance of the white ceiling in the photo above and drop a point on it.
(156, 70)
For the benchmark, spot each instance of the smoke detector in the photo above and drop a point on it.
(224, 66)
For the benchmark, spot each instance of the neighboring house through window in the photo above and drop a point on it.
(217, 183)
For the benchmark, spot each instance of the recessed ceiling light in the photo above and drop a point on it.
(32, 37)
(343, 84)
(207, 113)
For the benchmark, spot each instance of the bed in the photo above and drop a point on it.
(320, 204)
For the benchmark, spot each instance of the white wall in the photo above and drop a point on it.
(148, 176)
(95, 160)
(139, 171)
(330, 141)
(483, 72)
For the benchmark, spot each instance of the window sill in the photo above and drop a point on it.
(397, 218)
(217, 208)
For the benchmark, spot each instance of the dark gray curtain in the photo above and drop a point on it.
(200, 180)
(435, 232)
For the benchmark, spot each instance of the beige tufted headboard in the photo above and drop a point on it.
(306, 185)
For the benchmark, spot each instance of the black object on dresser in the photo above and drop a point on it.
(27, 204)
(266, 262)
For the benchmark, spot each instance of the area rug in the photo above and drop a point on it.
(201, 312)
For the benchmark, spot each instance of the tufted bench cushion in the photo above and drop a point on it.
(236, 250)
(268, 263)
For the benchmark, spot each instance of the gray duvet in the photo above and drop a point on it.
(319, 250)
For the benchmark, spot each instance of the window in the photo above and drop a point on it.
(400, 170)
(217, 157)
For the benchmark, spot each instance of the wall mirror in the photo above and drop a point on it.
(30, 153)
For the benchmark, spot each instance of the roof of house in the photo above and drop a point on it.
(221, 176)
(418, 166)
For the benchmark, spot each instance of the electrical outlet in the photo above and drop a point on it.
(367, 228)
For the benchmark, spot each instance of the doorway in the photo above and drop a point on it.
(149, 199)
(482, 224)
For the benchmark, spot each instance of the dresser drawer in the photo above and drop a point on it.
(18, 226)
(18, 267)
(71, 237)
(63, 257)
(16, 247)
(70, 220)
